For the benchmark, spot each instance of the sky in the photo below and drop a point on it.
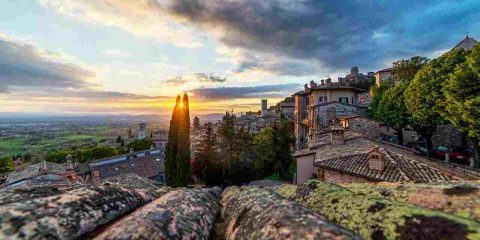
(133, 57)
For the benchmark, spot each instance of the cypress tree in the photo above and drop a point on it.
(172, 146)
(184, 171)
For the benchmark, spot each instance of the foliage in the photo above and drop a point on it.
(281, 142)
(462, 93)
(392, 110)
(99, 152)
(58, 156)
(172, 145)
(183, 168)
(206, 164)
(424, 97)
(6, 165)
(388, 103)
(141, 144)
(406, 69)
(177, 160)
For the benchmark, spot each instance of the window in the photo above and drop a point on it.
(322, 99)
(307, 100)
(343, 99)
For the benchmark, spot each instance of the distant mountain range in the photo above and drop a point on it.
(6, 117)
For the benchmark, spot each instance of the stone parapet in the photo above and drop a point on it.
(374, 217)
(179, 214)
(256, 213)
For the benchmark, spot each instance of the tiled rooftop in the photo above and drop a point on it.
(397, 168)
(145, 166)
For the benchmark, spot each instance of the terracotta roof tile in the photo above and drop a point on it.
(397, 168)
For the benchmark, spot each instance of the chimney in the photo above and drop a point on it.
(322, 81)
(329, 81)
(376, 159)
(337, 136)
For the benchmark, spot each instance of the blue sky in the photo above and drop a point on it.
(119, 56)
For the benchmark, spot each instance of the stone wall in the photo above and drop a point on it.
(338, 178)
(446, 135)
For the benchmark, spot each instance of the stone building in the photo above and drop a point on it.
(147, 164)
(467, 43)
(318, 106)
(263, 109)
(383, 75)
(287, 106)
(345, 156)
(355, 77)
(142, 130)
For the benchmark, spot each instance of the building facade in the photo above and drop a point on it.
(318, 106)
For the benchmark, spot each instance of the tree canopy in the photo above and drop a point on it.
(462, 93)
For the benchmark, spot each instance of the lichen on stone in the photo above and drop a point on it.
(67, 215)
(375, 217)
(179, 214)
(256, 213)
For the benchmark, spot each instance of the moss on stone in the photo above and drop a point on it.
(373, 216)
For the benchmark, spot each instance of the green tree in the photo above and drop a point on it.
(172, 145)
(392, 110)
(183, 167)
(206, 164)
(6, 165)
(406, 69)
(462, 92)
(141, 144)
(265, 156)
(58, 156)
(282, 142)
(424, 97)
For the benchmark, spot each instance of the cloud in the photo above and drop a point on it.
(195, 77)
(137, 17)
(25, 65)
(330, 34)
(92, 94)
(204, 77)
(226, 93)
(28, 71)
(175, 81)
(116, 53)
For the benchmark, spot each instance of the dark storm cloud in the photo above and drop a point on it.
(25, 65)
(226, 93)
(337, 34)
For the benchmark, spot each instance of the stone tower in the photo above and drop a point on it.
(142, 131)
(196, 123)
(264, 107)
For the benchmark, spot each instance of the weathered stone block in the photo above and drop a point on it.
(377, 218)
(68, 215)
(255, 213)
(179, 214)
